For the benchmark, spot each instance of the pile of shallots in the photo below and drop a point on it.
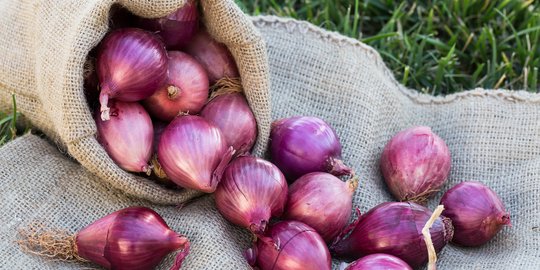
(171, 106)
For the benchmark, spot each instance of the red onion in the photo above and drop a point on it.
(193, 153)
(304, 144)
(131, 66)
(321, 201)
(415, 164)
(231, 113)
(476, 211)
(178, 28)
(290, 245)
(159, 174)
(186, 89)
(395, 228)
(251, 191)
(132, 238)
(379, 261)
(213, 56)
(127, 136)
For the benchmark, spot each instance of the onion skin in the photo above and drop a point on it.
(252, 190)
(304, 144)
(127, 136)
(186, 89)
(232, 114)
(213, 56)
(379, 261)
(395, 228)
(176, 29)
(131, 66)
(193, 153)
(291, 245)
(415, 164)
(476, 211)
(131, 238)
(321, 201)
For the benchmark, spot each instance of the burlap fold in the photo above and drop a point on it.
(44, 44)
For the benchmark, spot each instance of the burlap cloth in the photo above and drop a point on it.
(493, 136)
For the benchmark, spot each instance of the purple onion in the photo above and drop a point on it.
(185, 91)
(304, 144)
(178, 28)
(231, 113)
(379, 261)
(134, 238)
(395, 228)
(321, 201)
(193, 153)
(476, 211)
(415, 164)
(213, 56)
(127, 136)
(131, 66)
(290, 245)
(131, 238)
(252, 190)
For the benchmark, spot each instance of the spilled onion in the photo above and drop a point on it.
(252, 190)
(134, 238)
(232, 114)
(304, 144)
(395, 228)
(131, 66)
(378, 261)
(321, 201)
(289, 245)
(127, 136)
(415, 163)
(476, 211)
(193, 153)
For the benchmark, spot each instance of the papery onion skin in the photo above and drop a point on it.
(476, 211)
(127, 136)
(321, 201)
(131, 238)
(379, 261)
(395, 228)
(415, 164)
(252, 190)
(213, 56)
(178, 28)
(292, 245)
(185, 91)
(304, 144)
(131, 66)
(193, 153)
(232, 114)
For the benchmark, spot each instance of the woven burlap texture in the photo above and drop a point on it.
(43, 46)
(493, 136)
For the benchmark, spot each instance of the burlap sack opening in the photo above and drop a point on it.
(44, 45)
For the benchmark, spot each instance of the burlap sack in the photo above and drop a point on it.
(43, 46)
(492, 134)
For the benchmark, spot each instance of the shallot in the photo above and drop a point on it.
(251, 191)
(303, 144)
(134, 238)
(131, 66)
(378, 261)
(476, 211)
(415, 164)
(321, 201)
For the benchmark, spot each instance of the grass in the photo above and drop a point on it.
(8, 123)
(436, 47)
